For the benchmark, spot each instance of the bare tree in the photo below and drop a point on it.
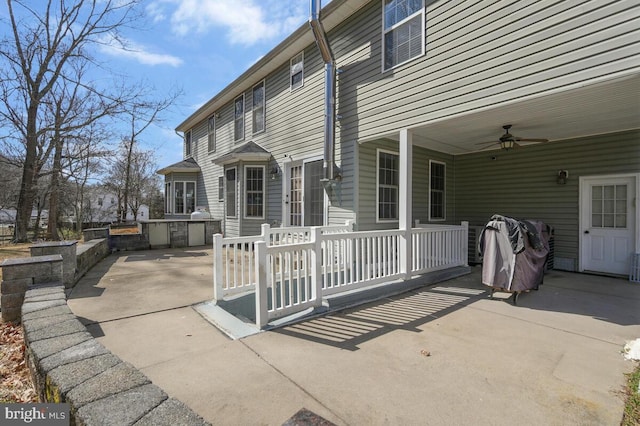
(138, 166)
(38, 54)
(140, 116)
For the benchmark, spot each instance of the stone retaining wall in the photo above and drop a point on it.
(68, 365)
(18, 274)
(88, 254)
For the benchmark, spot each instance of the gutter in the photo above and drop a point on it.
(329, 89)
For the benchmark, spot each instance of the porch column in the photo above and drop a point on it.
(405, 201)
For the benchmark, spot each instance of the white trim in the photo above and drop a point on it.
(581, 220)
(245, 192)
(377, 207)
(421, 12)
(244, 113)
(444, 193)
(264, 107)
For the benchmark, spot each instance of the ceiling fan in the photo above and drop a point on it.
(508, 141)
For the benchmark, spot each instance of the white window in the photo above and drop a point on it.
(221, 188)
(437, 199)
(254, 192)
(184, 197)
(403, 31)
(211, 133)
(238, 118)
(167, 197)
(388, 166)
(187, 143)
(230, 191)
(296, 72)
(258, 107)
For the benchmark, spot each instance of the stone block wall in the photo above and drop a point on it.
(68, 365)
(20, 274)
(67, 249)
(89, 253)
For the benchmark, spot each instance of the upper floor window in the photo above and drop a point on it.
(258, 107)
(296, 72)
(388, 186)
(187, 143)
(254, 192)
(437, 175)
(403, 32)
(211, 133)
(238, 118)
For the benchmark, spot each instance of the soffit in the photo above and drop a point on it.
(591, 109)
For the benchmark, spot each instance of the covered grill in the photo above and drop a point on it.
(515, 253)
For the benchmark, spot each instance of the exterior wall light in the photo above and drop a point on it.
(562, 177)
(274, 173)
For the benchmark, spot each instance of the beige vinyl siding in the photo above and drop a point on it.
(199, 151)
(420, 185)
(522, 182)
(479, 55)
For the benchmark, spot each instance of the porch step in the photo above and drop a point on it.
(229, 324)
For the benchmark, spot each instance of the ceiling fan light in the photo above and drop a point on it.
(507, 144)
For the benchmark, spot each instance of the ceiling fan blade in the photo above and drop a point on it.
(488, 143)
(531, 140)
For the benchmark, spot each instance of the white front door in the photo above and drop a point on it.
(608, 223)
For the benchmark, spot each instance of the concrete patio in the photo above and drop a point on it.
(443, 354)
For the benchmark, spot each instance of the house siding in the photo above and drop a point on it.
(420, 185)
(522, 182)
(495, 53)
(478, 55)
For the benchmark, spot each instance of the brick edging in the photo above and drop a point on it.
(68, 365)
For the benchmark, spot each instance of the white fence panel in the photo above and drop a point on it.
(438, 247)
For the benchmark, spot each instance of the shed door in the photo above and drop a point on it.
(608, 224)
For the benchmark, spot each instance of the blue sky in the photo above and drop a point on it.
(200, 46)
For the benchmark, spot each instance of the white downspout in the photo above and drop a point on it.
(329, 90)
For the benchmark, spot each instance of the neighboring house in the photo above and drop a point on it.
(101, 206)
(421, 85)
(8, 217)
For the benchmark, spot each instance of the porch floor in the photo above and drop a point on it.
(236, 316)
(414, 358)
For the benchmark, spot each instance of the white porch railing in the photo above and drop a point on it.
(291, 272)
(234, 258)
(295, 277)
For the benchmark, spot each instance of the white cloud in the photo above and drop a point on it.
(131, 50)
(156, 12)
(246, 22)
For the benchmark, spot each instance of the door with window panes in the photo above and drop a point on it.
(608, 214)
(304, 195)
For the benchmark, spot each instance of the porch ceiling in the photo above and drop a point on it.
(591, 109)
